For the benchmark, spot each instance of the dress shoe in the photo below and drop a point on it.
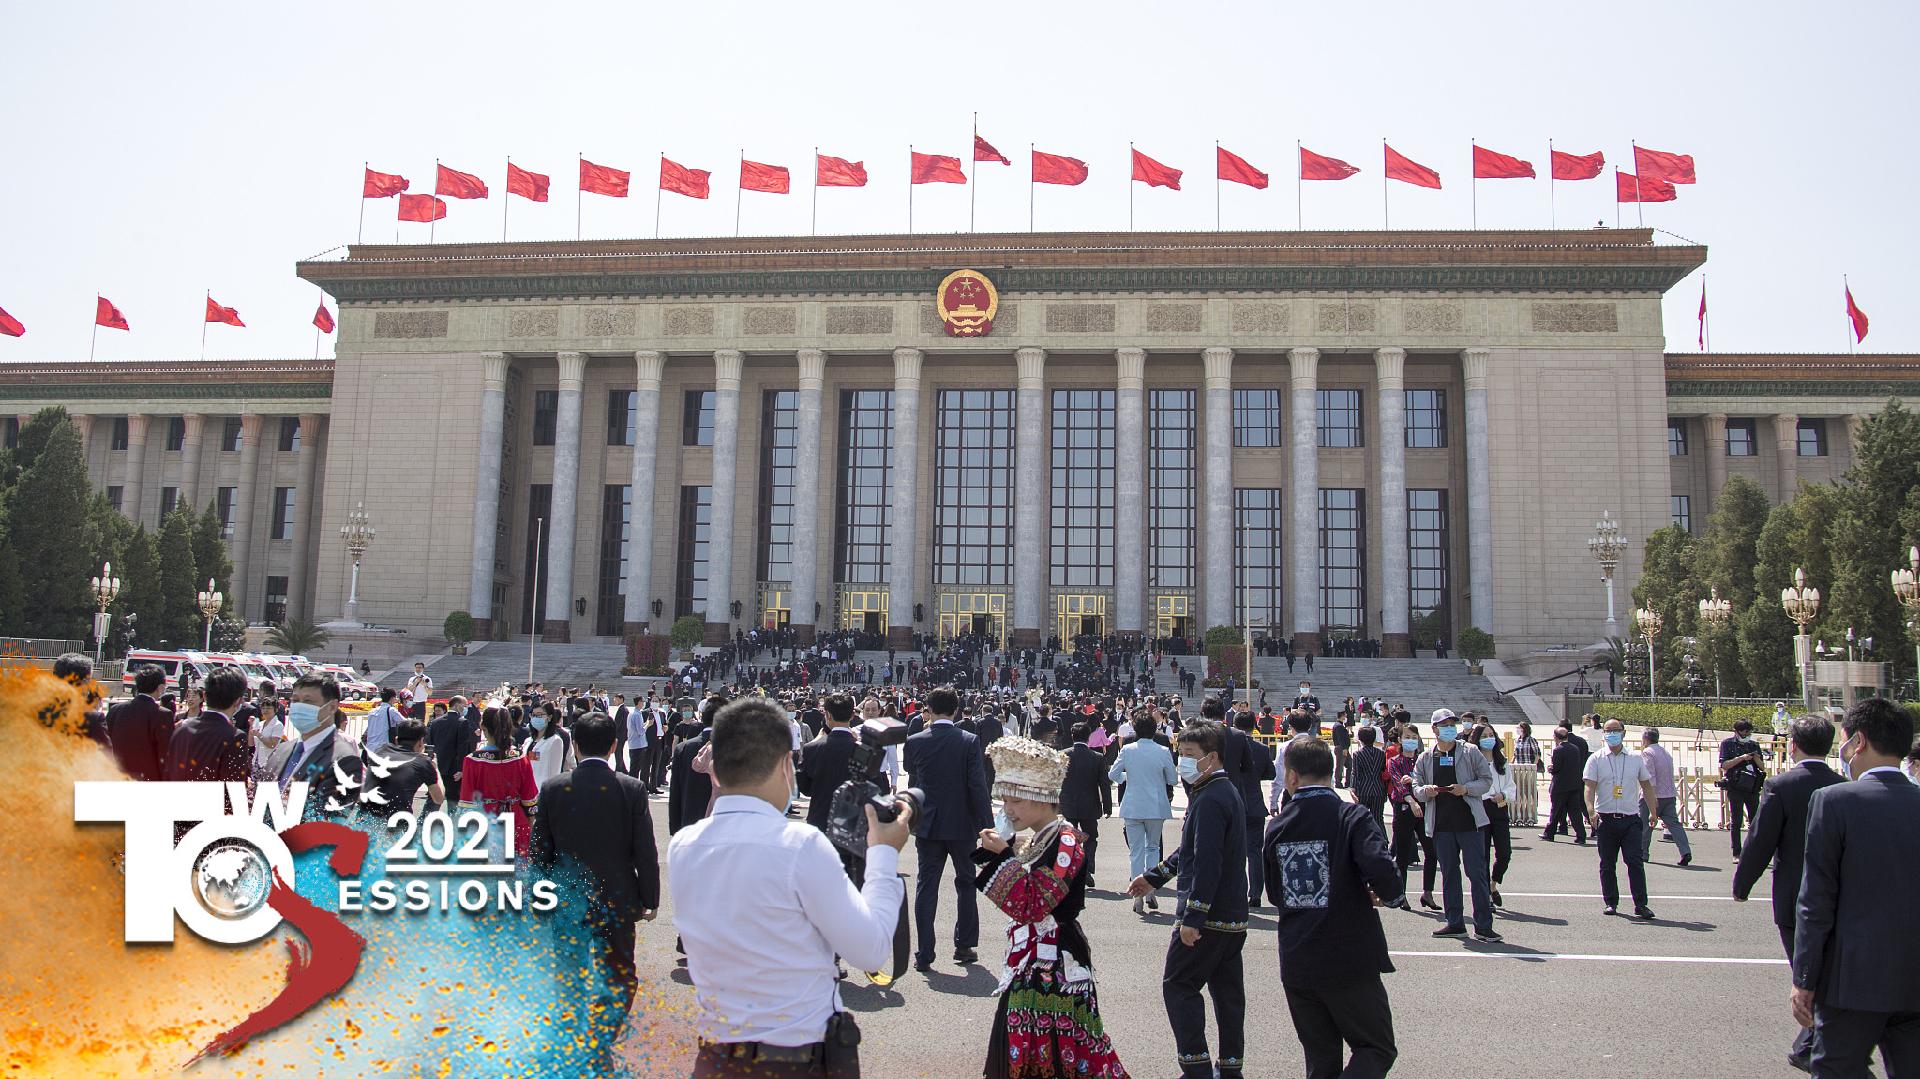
(1451, 931)
(1686, 860)
(1645, 914)
(1426, 900)
(1489, 936)
(966, 955)
(1610, 911)
(1548, 836)
(1153, 902)
(922, 965)
(1801, 1061)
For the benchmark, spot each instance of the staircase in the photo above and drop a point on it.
(490, 663)
(1422, 685)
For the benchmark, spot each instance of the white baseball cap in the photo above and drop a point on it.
(1441, 715)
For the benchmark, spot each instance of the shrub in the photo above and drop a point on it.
(1222, 636)
(648, 653)
(1685, 714)
(458, 628)
(1475, 644)
(687, 631)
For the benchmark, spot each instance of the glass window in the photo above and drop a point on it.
(276, 609)
(169, 498)
(10, 433)
(616, 513)
(119, 432)
(622, 413)
(282, 513)
(176, 433)
(230, 435)
(1427, 561)
(546, 414)
(696, 424)
(1812, 436)
(534, 574)
(696, 527)
(223, 509)
(779, 439)
(1683, 512)
(1343, 563)
(1256, 418)
(1426, 419)
(973, 474)
(1083, 488)
(1740, 438)
(1259, 521)
(1676, 438)
(863, 517)
(1339, 418)
(115, 493)
(289, 434)
(1172, 533)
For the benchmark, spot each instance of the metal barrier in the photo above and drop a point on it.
(1526, 799)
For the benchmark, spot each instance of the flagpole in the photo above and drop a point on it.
(1473, 181)
(1129, 187)
(813, 219)
(1845, 287)
(95, 339)
(739, 192)
(316, 342)
(1029, 187)
(657, 189)
(910, 187)
(203, 326)
(973, 192)
(579, 192)
(1639, 207)
(1386, 212)
(1706, 319)
(1553, 221)
(1216, 200)
(1616, 196)
(434, 217)
(360, 231)
(506, 199)
(1299, 222)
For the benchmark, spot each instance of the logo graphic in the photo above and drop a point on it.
(967, 302)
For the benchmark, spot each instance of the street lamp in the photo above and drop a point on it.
(105, 588)
(1606, 546)
(210, 602)
(1715, 613)
(1906, 588)
(358, 535)
(1649, 622)
(1802, 604)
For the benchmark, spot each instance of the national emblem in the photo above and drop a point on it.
(967, 302)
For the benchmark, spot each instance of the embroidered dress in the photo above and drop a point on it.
(1048, 1023)
(496, 783)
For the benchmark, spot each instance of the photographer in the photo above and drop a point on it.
(823, 761)
(762, 905)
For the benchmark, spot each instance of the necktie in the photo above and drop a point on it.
(293, 762)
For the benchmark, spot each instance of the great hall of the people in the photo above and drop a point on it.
(1389, 435)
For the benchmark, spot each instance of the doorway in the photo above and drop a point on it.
(1079, 615)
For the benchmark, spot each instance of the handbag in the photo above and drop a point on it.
(1742, 780)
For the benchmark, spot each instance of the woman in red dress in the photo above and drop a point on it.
(498, 776)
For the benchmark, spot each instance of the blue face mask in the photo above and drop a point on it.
(1614, 738)
(1446, 734)
(1489, 743)
(1189, 768)
(539, 723)
(1409, 745)
(304, 717)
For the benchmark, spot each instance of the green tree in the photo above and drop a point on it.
(296, 638)
(1875, 498)
(1724, 560)
(179, 623)
(210, 551)
(139, 572)
(1668, 584)
(49, 536)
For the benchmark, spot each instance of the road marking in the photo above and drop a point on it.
(1651, 898)
(1720, 960)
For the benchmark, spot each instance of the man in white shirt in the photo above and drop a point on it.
(762, 904)
(1617, 783)
(381, 722)
(420, 687)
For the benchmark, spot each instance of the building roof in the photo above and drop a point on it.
(1796, 366)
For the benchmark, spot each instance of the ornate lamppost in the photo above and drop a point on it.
(1650, 622)
(1715, 614)
(1802, 605)
(1906, 588)
(358, 535)
(104, 587)
(210, 602)
(1606, 546)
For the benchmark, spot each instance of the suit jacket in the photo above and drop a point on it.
(823, 767)
(599, 818)
(1247, 762)
(688, 791)
(1853, 941)
(1080, 790)
(1566, 764)
(139, 731)
(325, 795)
(945, 762)
(1779, 835)
(451, 738)
(208, 747)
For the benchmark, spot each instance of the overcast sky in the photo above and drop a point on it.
(155, 151)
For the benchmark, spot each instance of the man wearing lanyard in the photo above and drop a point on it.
(1617, 781)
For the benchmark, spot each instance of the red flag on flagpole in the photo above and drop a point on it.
(839, 172)
(1231, 166)
(984, 151)
(935, 169)
(455, 184)
(1152, 173)
(1488, 165)
(1317, 167)
(381, 185)
(10, 326)
(226, 315)
(1408, 171)
(1629, 188)
(105, 314)
(531, 186)
(322, 319)
(1703, 314)
(422, 208)
(681, 180)
(1857, 317)
(1057, 169)
(769, 178)
(1660, 165)
(1578, 167)
(603, 180)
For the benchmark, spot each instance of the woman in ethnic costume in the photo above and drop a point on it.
(1048, 1023)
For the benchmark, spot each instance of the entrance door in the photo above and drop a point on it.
(1077, 615)
(1173, 616)
(874, 622)
(974, 612)
(864, 611)
(775, 612)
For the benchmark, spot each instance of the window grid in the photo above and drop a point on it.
(1259, 522)
(696, 529)
(1083, 488)
(276, 605)
(115, 495)
(176, 433)
(119, 433)
(282, 513)
(779, 449)
(1811, 438)
(1683, 512)
(616, 515)
(1676, 438)
(1343, 567)
(546, 414)
(230, 435)
(973, 487)
(223, 509)
(1338, 414)
(1427, 558)
(864, 516)
(623, 414)
(1740, 438)
(539, 508)
(696, 420)
(1172, 532)
(1426, 419)
(169, 498)
(1256, 418)
(289, 434)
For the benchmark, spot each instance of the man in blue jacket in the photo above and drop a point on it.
(949, 767)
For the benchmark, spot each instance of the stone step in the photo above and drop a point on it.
(1421, 685)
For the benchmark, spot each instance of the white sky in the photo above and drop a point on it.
(154, 152)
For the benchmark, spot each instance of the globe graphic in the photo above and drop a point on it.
(232, 879)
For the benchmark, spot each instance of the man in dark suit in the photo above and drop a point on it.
(209, 747)
(1855, 954)
(1567, 788)
(450, 738)
(139, 729)
(1779, 835)
(823, 761)
(945, 762)
(1080, 790)
(596, 817)
(1247, 763)
(688, 791)
(311, 754)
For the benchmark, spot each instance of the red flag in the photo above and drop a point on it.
(838, 172)
(422, 208)
(1488, 165)
(757, 177)
(455, 184)
(1629, 188)
(105, 314)
(984, 151)
(9, 325)
(1660, 165)
(1153, 173)
(1230, 166)
(1703, 314)
(528, 185)
(1854, 315)
(682, 180)
(1055, 169)
(322, 319)
(1408, 171)
(602, 180)
(1316, 167)
(1576, 167)
(227, 315)
(381, 185)
(935, 169)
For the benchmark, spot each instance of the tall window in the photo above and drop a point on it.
(546, 414)
(1256, 418)
(865, 510)
(1343, 563)
(1259, 520)
(616, 513)
(282, 513)
(779, 439)
(973, 470)
(115, 494)
(696, 423)
(1427, 559)
(176, 433)
(622, 414)
(1683, 512)
(10, 433)
(1338, 413)
(533, 577)
(690, 568)
(230, 435)
(1812, 436)
(169, 498)
(289, 434)
(1676, 438)
(223, 509)
(119, 432)
(1083, 488)
(1171, 532)
(276, 607)
(1426, 419)
(1740, 438)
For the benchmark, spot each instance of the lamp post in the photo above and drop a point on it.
(358, 535)
(1606, 546)
(1906, 588)
(1715, 613)
(105, 587)
(1802, 605)
(209, 601)
(1649, 622)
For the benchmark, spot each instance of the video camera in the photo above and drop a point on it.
(847, 819)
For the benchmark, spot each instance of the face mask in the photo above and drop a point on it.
(304, 717)
(539, 723)
(1488, 743)
(1409, 745)
(1003, 824)
(1447, 734)
(1614, 738)
(1303, 690)
(1189, 768)
(1846, 762)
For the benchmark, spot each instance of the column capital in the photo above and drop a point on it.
(1219, 368)
(493, 370)
(1474, 363)
(726, 368)
(1714, 420)
(1133, 367)
(573, 370)
(906, 368)
(82, 422)
(193, 423)
(249, 427)
(136, 427)
(309, 423)
(1306, 366)
(1389, 367)
(1786, 428)
(1032, 366)
(649, 365)
(813, 368)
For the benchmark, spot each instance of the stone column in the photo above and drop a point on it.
(1479, 493)
(486, 491)
(306, 517)
(83, 423)
(726, 468)
(566, 499)
(1032, 502)
(1715, 427)
(244, 496)
(903, 536)
(1388, 364)
(192, 439)
(806, 497)
(1786, 439)
(1216, 567)
(136, 466)
(1303, 501)
(648, 366)
(1130, 501)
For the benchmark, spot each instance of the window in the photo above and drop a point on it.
(973, 474)
(119, 432)
(1676, 438)
(1338, 413)
(10, 433)
(616, 514)
(223, 509)
(230, 435)
(282, 513)
(696, 423)
(1812, 437)
(1343, 566)
(169, 498)
(1083, 488)
(533, 607)
(176, 433)
(1259, 521)
(1256, 418)
(1426, 419)
(546, 412)
(779, 439)
(865, 512)
(1683, 512)
(696, 526)
(115, 494)
(1427, 562)
(289, 434)
(1171, 495)
(623, 411)
(1740, 438)
(276, 610)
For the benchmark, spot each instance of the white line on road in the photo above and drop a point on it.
(1652, 898)
(1721, 960)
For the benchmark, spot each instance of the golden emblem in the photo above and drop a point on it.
(967, 302)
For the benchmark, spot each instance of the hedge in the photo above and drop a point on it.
(1684, 715)
(648, 653)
